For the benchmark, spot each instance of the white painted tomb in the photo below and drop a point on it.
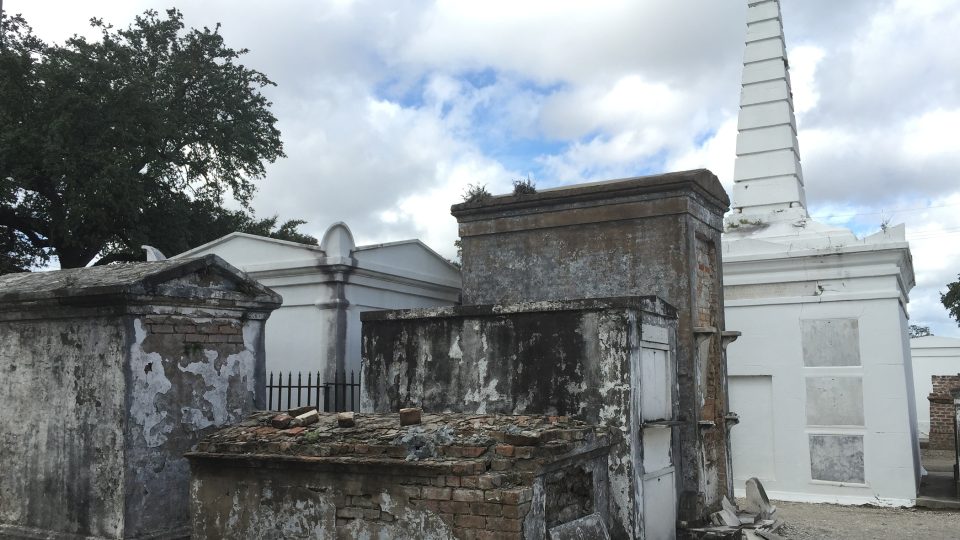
(326, 287)
(821, 377)
(932, 355)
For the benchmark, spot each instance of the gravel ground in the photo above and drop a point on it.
(819, 521)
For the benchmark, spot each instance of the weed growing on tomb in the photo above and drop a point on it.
(524, 187)
(742, 222)
(476, 193)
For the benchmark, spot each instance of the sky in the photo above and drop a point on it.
(389, 110)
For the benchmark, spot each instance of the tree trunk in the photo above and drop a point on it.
(73, 258)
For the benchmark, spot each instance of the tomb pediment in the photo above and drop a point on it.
(204, 278)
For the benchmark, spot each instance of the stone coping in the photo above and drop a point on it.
(650, 304)
(448, 443)
(699, 180)
(136, 282)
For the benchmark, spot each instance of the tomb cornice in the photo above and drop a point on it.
(701, 183)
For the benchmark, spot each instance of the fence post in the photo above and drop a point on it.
(339, 388)
(270, 393)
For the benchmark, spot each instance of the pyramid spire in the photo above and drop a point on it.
(768, 180)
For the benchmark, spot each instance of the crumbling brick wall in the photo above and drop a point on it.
(452, 476)
(942, 413)
(711, 358)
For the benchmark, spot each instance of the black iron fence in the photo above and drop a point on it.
(341, 395)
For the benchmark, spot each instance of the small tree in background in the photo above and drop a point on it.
(919, 331)
(951, 299)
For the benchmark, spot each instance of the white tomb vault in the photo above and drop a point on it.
(326, 287)
(931, 355)
(822, 376)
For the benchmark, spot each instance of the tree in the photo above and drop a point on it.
(951, 299)
(189, 223)
(137, 138)
(919, 331)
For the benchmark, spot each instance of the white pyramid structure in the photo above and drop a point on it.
(822, 376)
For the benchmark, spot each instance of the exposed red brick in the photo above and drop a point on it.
(468, 495)
(476, 522)
(465, 451)
(436, 493)
(455, 507)
(504, 524)
(519, 511)
(487, 509)
(410, 416)
(281, 421)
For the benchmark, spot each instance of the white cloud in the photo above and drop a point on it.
(803, 65)
(932, 135)
(388, 110)
(717, 154)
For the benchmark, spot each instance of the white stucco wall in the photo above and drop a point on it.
(823, 364)
(302, 334)
(769, 388)
(932, 355)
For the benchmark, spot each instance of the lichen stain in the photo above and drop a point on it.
(410, 523)
(485, 390)
(294, 513)
(455, 351)
(619, 472)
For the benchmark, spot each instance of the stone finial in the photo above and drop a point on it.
(153, 254)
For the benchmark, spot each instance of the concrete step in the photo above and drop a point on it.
(938, 503)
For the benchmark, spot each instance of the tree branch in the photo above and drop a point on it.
(30, 227)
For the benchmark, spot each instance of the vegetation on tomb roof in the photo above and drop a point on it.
(524, 186)
(476, 193)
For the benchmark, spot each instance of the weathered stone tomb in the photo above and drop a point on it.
(609, 362)
(656, 235)
(109, 375)
(450, 476)
(531, 339)
(597, 303)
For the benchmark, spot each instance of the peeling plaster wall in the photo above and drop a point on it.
(110, 374)
(179, 391)
(98, 412)
(61, 430)
(555, 358)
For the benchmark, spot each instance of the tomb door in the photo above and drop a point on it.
(656, 473)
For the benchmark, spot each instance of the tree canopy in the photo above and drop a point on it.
(139, 137)
(951, 299)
